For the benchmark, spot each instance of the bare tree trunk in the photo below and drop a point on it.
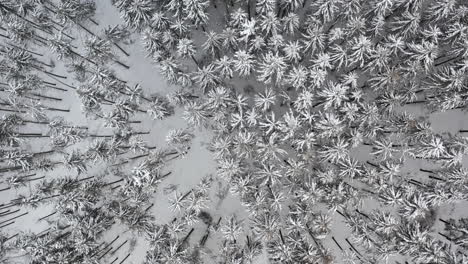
(126, 257)
(10, 169)
(249, 9)
(373, 164)
(110, 183)
(351, 245)
(44, 217)
(436, 178)
(25, 19)
(194, 60)
(336, 242)
(361, 213)
(121, 49)
(447, 61)
(445, 222)
(93, 21)
(281, 236)
(105, 253)
(51, 73)
(122, 64)
(13, 236)
(21, 48)
(5, 225)
(33, 179)
(14, 111)
(110, 243)
(73, 87)
(47, 97)
(445, 236)
(185, 239)
(57, 109)
(34, 135)
(121, 245)
(428, 171)
(13, 218)
(7, 212)
(416, 102)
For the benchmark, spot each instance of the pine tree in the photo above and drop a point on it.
(137, 13)
(271, 69)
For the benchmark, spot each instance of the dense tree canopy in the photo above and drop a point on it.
(320, 115)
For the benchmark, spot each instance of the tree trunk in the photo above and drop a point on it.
(445, 236)
(341, 214)
(38, 39)
(336, 242)
(185, 239)
(333, 24)
(46, 97)
(13, 236)
(121, 49)
(173, 158)
(99, 250)
(5, 225)
(416, 102)
(14, 111)
(351, 245)
(93, 21)
(281, 236)
(361, 213)
(10, 168)
(122, 64)
(121, 245)
(73, 87)
(204, 239)
(44, 217)
(372, 164)
(83, 57)
(57, 109)
(35, 122)
(4, 36)
(44, 64)
(126, 257)
(186, 194)
(33, 136)
(30, 134)
(55, 88)
(30, 51)
(33, 179)
(194, 60)
(52, 74)
(436, 178)
(110, 183)
(43, 152)
(25, 19)
(105, 253)
(7, 212)
(13, 218)
(165, 175)
(447, 61)
(61, 30)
